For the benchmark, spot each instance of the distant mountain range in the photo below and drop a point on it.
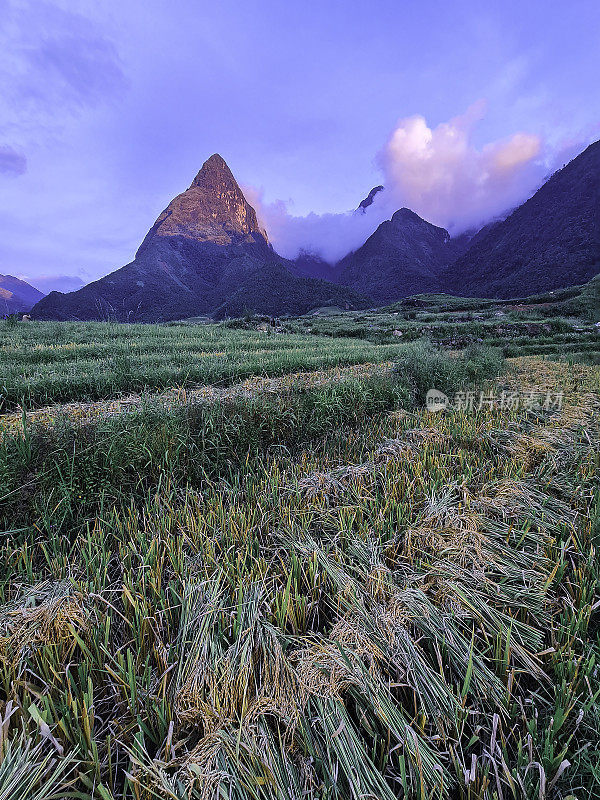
(17, 295)
(206, 254)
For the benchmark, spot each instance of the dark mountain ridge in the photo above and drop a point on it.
(404, 256)
(312, 265)
(549, 242)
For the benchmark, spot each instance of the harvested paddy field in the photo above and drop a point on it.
(52, 362)
(316, 589)
(86, 412)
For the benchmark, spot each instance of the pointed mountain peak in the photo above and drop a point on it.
(405, 214)
(213, 209)
(214, 171)
(216, 160)
(405, 219)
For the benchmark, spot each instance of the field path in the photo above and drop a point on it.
(83, 412)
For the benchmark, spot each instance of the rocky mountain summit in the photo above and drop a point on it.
(203, 247)
(213, 209)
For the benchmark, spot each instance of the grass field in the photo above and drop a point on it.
(559, 324)
(299, 588)
(49, 362)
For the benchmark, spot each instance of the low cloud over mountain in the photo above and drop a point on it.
(438, 172)
(446, 179)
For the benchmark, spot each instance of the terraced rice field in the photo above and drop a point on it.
(86, 412)
(45, 362)
(360, 600)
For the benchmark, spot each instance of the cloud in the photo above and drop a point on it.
(329, 235)
(439, 172)
(53, 64)
(83, 67)
(12, 163)
(62, 77)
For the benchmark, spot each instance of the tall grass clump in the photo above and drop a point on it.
(424, 367)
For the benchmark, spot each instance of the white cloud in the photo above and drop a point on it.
(329, 235)
(439, 172)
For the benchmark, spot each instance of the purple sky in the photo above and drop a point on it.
(107, 110)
